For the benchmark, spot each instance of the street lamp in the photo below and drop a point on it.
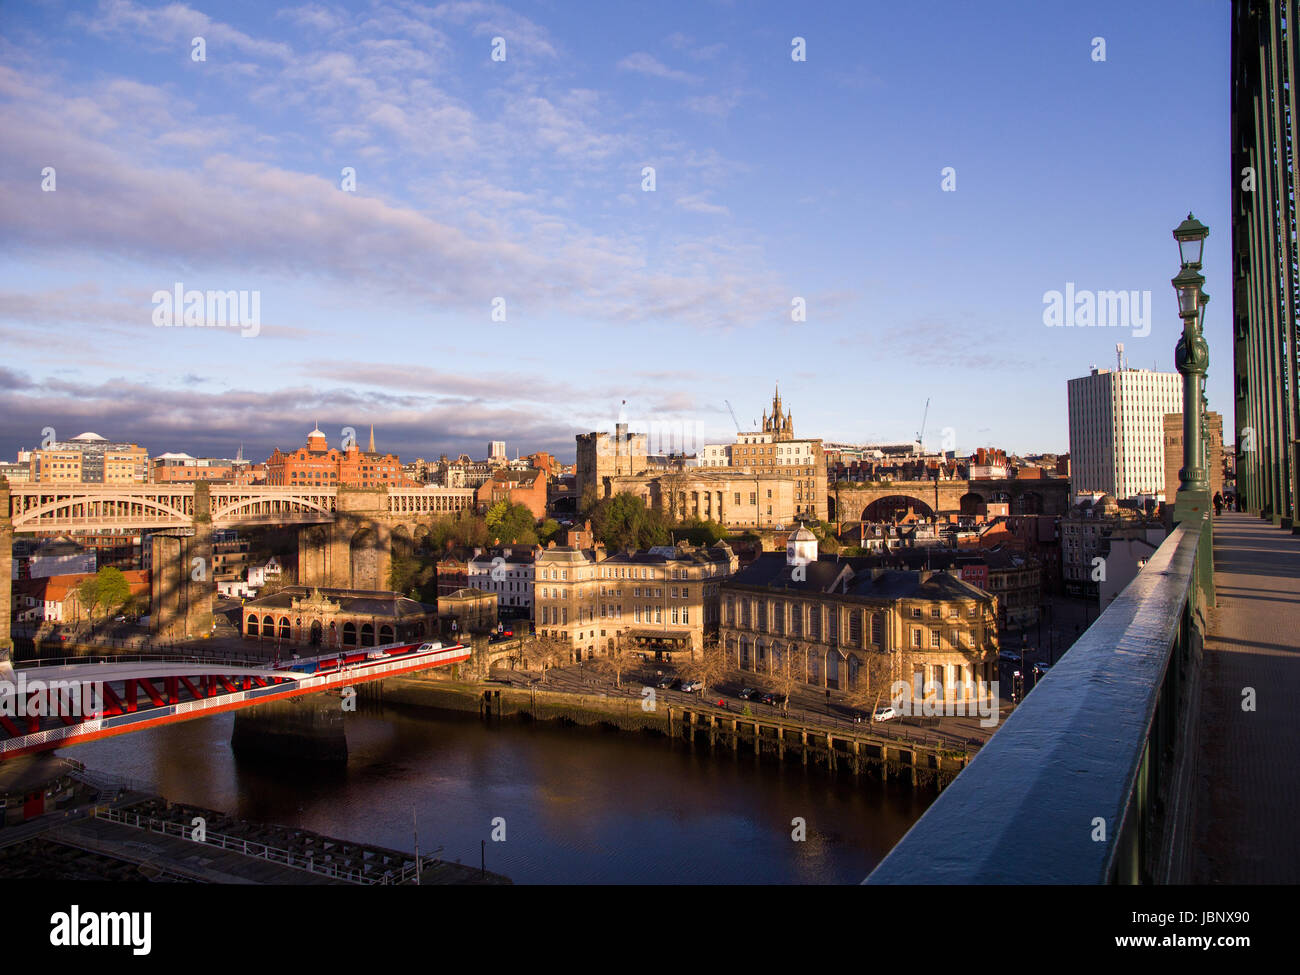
(1192, 356)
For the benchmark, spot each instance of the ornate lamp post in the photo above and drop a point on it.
(1192, 356)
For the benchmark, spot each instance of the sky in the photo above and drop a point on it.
(498, 264)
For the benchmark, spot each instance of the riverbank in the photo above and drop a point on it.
(843, 750)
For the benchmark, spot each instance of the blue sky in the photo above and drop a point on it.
(521, 179)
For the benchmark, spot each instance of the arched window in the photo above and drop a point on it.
(744, 653)
(367, 635)
(284, 627)
(252, 625)
(853, 670)
(315, 633)
(760, 656)
(349, 634)
(385, 634)
(268, 625)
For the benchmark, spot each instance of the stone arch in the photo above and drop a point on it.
(364, 560)
(349, 634)
(854, 665)
(251, 624)
(284, 628)
(971, 503)
(895, 508)
(385, 635)
(1030, 503)
(834, 668)
(420, 536)
(401, 543)
(316, 633)
(367, 634)
(760, 656)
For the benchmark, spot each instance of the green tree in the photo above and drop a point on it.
(106, 590)
(511, 522)
(700, 531)
(548, 530)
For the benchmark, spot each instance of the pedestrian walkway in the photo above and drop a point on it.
(1248, 776)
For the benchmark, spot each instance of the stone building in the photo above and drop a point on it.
(337, 618)
(662, 601)
(527, 487)
(601, 457)
(774, 450)
(732, 498)
(507, 572)
(1085, 531)
(467, 611)
(830, 624)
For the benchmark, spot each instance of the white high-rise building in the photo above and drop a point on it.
(1117, 430)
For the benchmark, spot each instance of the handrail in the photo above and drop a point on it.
(1065, 791)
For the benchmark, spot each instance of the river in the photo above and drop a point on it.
(580, 806)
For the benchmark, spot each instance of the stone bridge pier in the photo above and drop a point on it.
(355, 550)
(182, 584)
(6, 571)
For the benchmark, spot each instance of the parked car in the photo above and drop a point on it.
(1040, 669)
(119, 619)
(745, 693)
(666, 681)
(692, 685)
(769, 698)
(887, 713)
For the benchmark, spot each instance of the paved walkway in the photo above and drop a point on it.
(1248, 789)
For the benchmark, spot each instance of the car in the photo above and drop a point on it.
(666, 681)
(1009, 657)
(508, 633)
(887, 713)
(119, 619)
(769, 698)
(376, 655)
(1040, 669)
(692, 685)
(746, 693)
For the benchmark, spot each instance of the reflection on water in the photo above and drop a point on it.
(579, 806)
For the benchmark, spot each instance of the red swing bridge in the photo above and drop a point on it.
(54, 706)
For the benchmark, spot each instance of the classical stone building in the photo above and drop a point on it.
(663, 601)
(735, 499)
(507, 572)
(830, 624)
(337, 618)
(774, 450)
(89, 458)
(467, 611)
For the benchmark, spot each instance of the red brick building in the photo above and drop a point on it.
(520, 487)
(319, 465)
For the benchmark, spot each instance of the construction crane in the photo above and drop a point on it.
(920, 434)
(733, 415)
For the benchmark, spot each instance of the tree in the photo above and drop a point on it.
(618, 659)
(511, 522)
(548, 530)
(787, 673)
(699, 531)
(107, 589)
(875, 680)
(710, 667)
(542, 652)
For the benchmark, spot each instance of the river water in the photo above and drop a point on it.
(580, 806)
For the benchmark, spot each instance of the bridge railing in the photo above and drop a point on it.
(1087, 780)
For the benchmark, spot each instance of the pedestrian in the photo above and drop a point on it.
(1218, 503)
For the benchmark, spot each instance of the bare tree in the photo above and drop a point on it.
(874, 681)
(787, 674)
(616, 659)
(542, 652)
(710, 667)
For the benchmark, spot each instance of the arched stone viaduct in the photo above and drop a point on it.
(850, 502)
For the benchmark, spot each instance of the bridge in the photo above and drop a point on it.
(347, 537)
(44, 706)
(854, 501)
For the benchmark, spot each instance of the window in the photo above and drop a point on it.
(916, 637)
(916, 612)
(934, 612)
(878, 629)
(934, 638)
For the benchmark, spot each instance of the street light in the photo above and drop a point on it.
(1192, 356)
(1191, 234)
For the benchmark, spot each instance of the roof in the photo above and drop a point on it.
(90, 436)
(771, 571)
(362, 601)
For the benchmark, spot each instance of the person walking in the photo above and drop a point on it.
(1218, 503)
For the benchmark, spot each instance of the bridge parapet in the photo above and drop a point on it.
(1085, 781)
